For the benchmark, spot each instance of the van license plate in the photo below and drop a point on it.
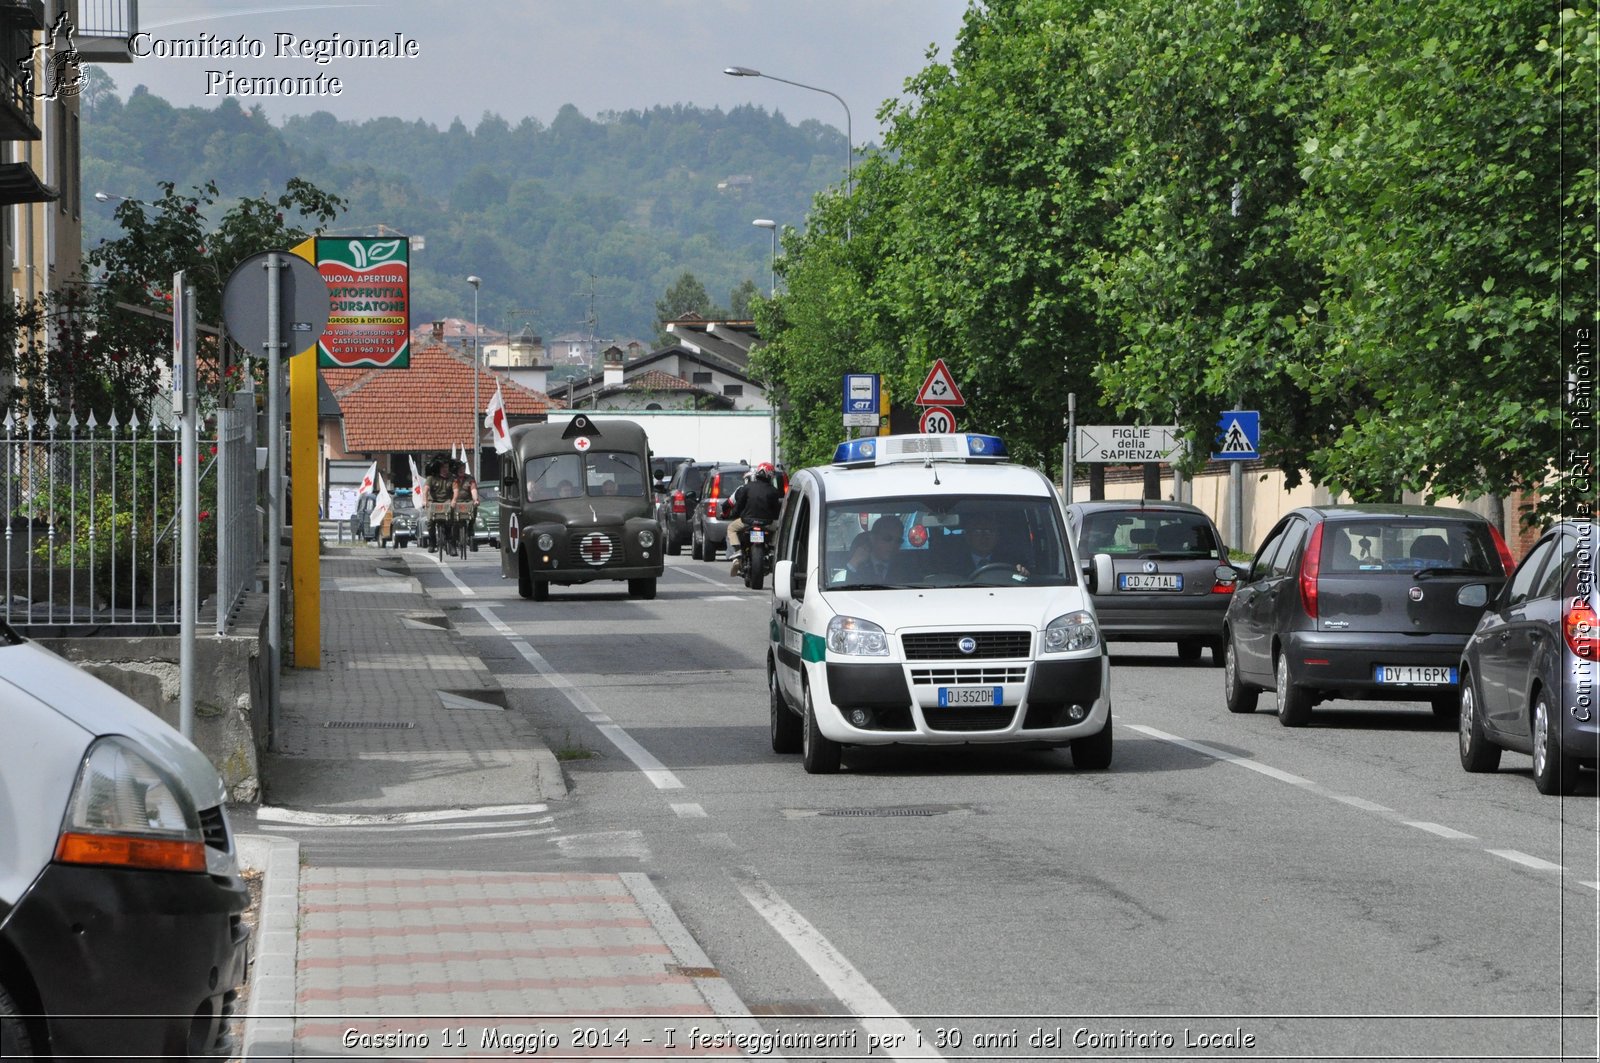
(757, 535)
(1160, 581)
(949, 697)
(1415, 675)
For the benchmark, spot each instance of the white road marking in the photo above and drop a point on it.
(456, 701)
(659, 775)
(699, 576)
(1441, 830)
(449, 575)
(1517, 857)
(898, 1038)
(1220, 754)
(1593, 885)
(690, 810)
(269, 814)
(1360, 802)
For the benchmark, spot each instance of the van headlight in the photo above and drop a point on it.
(647, 538)
(1074, 631)
(128, 812)
(856, 637)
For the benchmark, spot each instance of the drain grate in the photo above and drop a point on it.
(882, 812)
(369, 725)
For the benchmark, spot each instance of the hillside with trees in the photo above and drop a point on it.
(584, 215)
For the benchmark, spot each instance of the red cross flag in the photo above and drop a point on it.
(385, 500)
(494, 419)
(368, 481)
(417, 481)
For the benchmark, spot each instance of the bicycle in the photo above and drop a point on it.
(449, 523)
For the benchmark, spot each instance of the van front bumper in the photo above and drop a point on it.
(900, 700)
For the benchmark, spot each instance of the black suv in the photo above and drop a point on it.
(675, 507)
(1361, 601)
(708, 529)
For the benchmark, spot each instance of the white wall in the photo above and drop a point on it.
(731, 435)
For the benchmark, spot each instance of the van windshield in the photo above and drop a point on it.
(601, 473)
(944, 541)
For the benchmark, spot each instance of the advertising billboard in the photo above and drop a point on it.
(369, 293)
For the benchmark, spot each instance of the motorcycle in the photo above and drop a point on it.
(757, 554)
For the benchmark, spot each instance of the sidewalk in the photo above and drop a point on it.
(350, 960)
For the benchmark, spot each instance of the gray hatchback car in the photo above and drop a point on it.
(1158, 570)
(1361, 601)
(1528, 676)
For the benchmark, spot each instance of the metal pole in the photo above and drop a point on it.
(1068, 449)
(274, 267)
(476, 405)
(189, 532)
(1236, 504)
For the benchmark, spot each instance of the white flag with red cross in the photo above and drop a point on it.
(385, 500)
(494, 419)
(369, 480)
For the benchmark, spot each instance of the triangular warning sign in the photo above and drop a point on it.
(940, 388)
(1235, 441)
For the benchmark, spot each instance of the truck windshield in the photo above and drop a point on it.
(601, 473)
(946, 541)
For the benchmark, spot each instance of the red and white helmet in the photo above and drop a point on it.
(764, 471)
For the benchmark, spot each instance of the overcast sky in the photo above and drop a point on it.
(522, 58)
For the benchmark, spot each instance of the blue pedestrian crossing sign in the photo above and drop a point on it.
(1238, 436)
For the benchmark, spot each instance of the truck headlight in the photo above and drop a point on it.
(858, 638)
(1074, 631)
(647, 538)
(128, 812)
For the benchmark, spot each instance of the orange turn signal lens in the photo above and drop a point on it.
(145, 854)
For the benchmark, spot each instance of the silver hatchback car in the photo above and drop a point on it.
(1529, 673)
(1159, 572)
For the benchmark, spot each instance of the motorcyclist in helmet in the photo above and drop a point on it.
(756, 499)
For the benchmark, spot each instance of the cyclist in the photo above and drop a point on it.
(440, 487)
(467, 486)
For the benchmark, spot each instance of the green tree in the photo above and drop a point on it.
(686, 295)
(99, 346)
(742, 298)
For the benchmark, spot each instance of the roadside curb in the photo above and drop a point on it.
(269, 1017)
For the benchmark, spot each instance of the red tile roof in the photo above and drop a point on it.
(428, 406)
(656, 380)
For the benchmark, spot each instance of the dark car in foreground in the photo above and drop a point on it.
(121, 903)
(1158, 570)
(487, 528)
(1529, 674)
(1361, 601)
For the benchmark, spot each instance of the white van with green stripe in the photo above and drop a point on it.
(925, 592)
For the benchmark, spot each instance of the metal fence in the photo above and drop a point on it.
(91, 512)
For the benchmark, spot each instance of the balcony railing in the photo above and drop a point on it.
(103, 28)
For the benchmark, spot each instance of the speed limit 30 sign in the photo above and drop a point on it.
(937, 420)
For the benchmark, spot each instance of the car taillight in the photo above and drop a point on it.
(1508, 562)
(677, 503)
(1582, 628)
(1310, 565)
(1222, 586)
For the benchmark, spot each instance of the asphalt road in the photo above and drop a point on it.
(1229, 886)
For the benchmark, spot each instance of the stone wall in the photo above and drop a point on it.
(230, 688)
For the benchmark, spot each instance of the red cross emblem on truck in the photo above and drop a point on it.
(595, 548)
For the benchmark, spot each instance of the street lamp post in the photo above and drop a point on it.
(849, 140)
(772, 262)
(477, 449)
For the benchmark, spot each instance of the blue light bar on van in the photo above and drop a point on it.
(892, 450)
